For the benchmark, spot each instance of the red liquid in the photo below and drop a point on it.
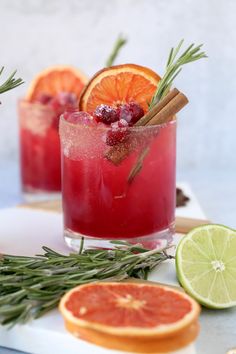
(39, 148)
(97, 199)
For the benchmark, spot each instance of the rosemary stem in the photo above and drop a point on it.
(120, 42)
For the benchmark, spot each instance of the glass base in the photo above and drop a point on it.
(158, 239)
(40, 196)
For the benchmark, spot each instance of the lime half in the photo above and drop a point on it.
(206, 265)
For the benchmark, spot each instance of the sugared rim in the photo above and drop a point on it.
(161, 331)
(36, 105)
(132, 128)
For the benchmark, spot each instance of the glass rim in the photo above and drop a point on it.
(131, 128)
(23, 101)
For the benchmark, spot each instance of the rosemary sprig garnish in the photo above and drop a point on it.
(32, 286)
(174, 67)
(10, 83)
(120, 42)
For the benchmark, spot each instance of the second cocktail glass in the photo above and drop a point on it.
(39, 150)
(54, 91)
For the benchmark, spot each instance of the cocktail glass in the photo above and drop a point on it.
(104, 201)
(39, 150)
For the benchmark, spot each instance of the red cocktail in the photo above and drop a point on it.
(40, 147)
(107, 201)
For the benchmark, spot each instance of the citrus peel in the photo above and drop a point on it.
(120, 84)
(56, 79)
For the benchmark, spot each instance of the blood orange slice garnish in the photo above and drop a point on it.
(120, 84)
(129, 309)
(57, 79)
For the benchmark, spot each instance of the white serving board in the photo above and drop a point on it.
(23, 232)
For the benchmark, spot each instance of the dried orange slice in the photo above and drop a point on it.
(57, 79)
(120, 84)
(128, 315)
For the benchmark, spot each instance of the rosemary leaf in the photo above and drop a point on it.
(174, 66)
(10, 83)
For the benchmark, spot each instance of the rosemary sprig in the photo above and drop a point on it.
(10, 83)
(120, 42)
(174, 67)
(32, 286)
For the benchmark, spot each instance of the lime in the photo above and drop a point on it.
(206, 265)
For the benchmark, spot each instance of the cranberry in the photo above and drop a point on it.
(117, 133)
(131, 112)
(55, 105)
(44, 98)
(125, 113)
(66, 99)
(79, 118)
(59, 102)
(106, 114)
(122, 123)
(63, 100)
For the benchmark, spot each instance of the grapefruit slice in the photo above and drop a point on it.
(120, 84)
(130, 312)
(57, 79)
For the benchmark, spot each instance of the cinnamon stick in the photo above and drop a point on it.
(166, 114)
(162, 112)
(157, 108)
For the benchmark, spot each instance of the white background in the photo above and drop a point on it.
(35, 34)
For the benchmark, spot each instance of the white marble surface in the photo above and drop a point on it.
(220, 322)
(47, 230)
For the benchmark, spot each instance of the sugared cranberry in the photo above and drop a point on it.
(66, 99)
(124, 112)
(63, 101)
(122, 123)
(44, 98)
(131, 112)
(60, 102)
(79, 118)
(105, 114)
(55, 105)
(117, 133)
